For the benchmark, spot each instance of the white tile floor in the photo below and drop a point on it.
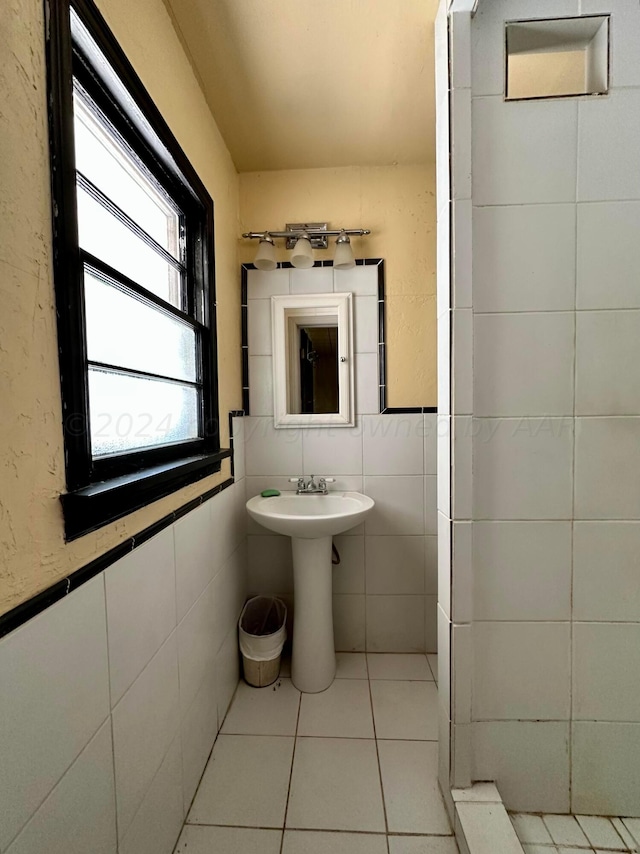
(352, 770)
(567, 834)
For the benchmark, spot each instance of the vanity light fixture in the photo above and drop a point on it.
(303, 238)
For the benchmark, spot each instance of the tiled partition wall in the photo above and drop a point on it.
(386, 584)
(455, 392)
(556, 427)
(112, 698)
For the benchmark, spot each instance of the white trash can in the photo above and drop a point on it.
(262, 631)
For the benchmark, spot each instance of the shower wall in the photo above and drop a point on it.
(547, 344)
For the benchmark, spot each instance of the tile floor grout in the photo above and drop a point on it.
(277, 715)
(375, 736)
(571, 828)
(293, 757)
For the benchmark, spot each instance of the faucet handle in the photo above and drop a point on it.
(298, 480)
(328, 479)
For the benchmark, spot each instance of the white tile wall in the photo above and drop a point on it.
(141, 739)
(271, 451)
(523, 468)
(259, 327)
(609, 136)
(349, 622)
(331, 451)
(529, 762)
(556, 433)
(608, 255)
(522, 570)
(395, 623)
(314, 281)
(395, 565)
(358, 281)
(625, 36)
(193, 552)
(393, 444)
(135, 633)
(196, 651)
(445, 434)
(513, 658)
(604, 656)
(349, 574)
(198, 729)
(270, 565)
(56, 666)
(524, 152)
(445, 535)
(607, 459)
(524, 258)
(605, 561)
(157, 684)
(79, 814)
(511, 347)
(444, 362)
(365, 324)
(158, 822)
(460, 116)
(614, 749)
(227, 672)
(261, 386)
(462, 251)
(262, 285)
(462, 361)
(367, 400)
(462, 589)
(399, 505)
(608, 363)
(462, 467)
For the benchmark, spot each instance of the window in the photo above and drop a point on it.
(133, 248)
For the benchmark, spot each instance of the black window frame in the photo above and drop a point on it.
(104, 489)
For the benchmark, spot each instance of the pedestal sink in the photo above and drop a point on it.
(311, 521)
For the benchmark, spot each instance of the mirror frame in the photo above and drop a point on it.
(284, 310)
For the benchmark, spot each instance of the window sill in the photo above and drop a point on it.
(94, 506)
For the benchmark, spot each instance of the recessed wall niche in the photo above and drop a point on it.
(557, 58)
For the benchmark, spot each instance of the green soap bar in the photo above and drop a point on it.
(270, 493)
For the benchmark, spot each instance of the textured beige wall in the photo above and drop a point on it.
(398, 204)
(33, 554)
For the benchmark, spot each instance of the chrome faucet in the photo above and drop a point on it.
(309, 486)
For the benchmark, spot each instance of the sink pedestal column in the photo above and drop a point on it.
(313, 666)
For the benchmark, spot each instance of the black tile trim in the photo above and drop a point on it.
(25, 611)
(407, 410)
(234, 413)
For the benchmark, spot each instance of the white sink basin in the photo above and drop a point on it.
(311, 521)
(310, 516)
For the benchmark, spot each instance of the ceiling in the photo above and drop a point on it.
(316, 84)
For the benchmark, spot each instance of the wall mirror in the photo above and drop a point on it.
(312, 343)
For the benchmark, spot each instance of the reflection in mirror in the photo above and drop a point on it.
(312, 345)
(318, 369)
